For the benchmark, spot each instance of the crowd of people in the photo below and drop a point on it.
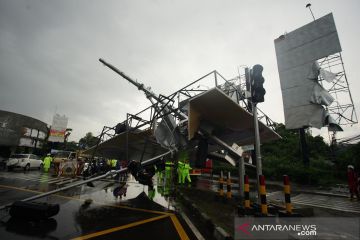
(90, 168)
(79, 166)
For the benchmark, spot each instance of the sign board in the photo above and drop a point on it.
(58, 128)
(237, 149)
(296, 54)
(247, 148)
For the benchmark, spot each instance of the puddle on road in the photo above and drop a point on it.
(121, 192)
(76, 218)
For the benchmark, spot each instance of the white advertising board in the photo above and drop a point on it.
(296, 54)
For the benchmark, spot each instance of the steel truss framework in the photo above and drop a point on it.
(235, 88)
(342, 109)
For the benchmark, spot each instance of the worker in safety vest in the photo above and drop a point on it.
(113, 163)
(180, 171)
(168, 168)
(47, 162)
(166, 185)
(159, 174)
(186, 172)
(183, 156)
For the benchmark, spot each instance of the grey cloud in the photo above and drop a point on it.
(49, 51)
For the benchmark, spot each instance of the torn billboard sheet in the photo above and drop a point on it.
(164, 135)
(327, 76)
(231, 123)
(297, 53)
(321, 96)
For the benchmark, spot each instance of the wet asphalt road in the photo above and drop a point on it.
(130, 212)
(341, 204)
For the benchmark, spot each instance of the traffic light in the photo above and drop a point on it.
(257, 81)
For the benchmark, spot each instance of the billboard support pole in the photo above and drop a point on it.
(304, 148)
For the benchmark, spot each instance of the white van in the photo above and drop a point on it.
(25, 161)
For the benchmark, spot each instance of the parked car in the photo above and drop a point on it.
(25, 161)
(3, 162)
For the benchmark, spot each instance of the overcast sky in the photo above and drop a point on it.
(50, 49)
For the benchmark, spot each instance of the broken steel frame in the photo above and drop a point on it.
(165, 105)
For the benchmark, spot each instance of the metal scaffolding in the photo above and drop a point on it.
(342, 110)
(146, 119)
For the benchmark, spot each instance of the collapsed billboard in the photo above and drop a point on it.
(297, 52)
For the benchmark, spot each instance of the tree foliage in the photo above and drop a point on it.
(347, 155)
(284, 157)
(88, 141)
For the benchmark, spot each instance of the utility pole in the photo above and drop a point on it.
(257, 95)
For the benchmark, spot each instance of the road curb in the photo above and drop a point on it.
(272, 184)
(217, 232)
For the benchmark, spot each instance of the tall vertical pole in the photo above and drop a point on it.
(241, 177)
(257, 149)
(304, 148)
(127, 138)
(97, 143)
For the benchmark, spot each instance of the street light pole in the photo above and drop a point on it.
(309, 6)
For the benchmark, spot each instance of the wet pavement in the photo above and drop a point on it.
(116, 210)
(317, 199)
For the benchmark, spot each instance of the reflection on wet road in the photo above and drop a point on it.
(111, 209)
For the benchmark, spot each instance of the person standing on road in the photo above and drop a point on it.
(186, 172)
(168, 169)
(180, 171)
(113, 164)
(183, 157)
(353, 182)
(47, 162)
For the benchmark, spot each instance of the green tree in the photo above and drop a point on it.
(345, 155)
(72, 146)
(283, 156)
(88, 141)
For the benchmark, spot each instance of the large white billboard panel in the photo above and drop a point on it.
(296, 54)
